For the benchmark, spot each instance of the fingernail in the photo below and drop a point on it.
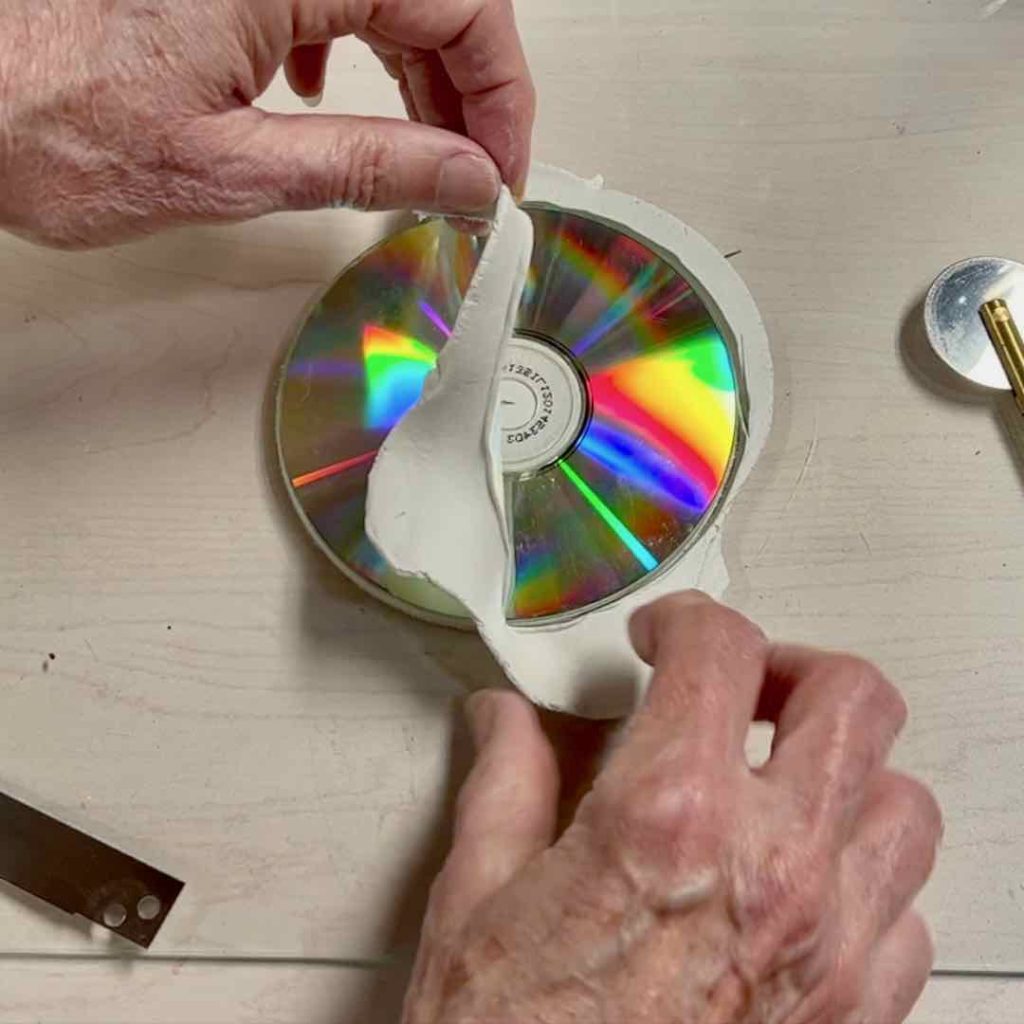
(313, 101)
(481, 713)
(470, 226)
(639, 629)
(643, 623)
(467, 184)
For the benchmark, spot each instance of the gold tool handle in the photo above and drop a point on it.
(1007, 341)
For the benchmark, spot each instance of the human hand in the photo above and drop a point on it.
(121, 117)
(690, 888)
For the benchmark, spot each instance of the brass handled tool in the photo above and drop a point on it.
(1007, 342)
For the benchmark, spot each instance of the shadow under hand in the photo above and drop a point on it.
(581, 747)
(466, 662)
(380, 1000)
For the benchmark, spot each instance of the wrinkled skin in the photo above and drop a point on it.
(690, 888)
(122, 117)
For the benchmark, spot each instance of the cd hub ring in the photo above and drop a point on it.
(542, 405)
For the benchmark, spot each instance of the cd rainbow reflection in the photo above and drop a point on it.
(644, 475)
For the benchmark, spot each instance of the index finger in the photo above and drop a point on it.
(483, 55)
(709, 663)
(662, 791)
(836, 718)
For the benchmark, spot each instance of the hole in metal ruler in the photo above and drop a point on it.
(148, 908)
(114, 915)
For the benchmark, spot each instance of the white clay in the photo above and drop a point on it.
(435, 505)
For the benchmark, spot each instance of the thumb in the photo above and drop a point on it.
(265, 162)
(507, 808)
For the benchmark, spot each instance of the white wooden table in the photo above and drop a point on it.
(222, 703)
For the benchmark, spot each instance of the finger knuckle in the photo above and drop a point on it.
(413, 58)
(467, 796)
(57, 229)
(790, 894)
(365, 167)
(655, 816)
(528, 100)
(921, 939)
(914, 804)
(867, 688)
(846, 994)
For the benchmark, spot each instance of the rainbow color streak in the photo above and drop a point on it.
(332, 470)
(434, 317)
(618, 527)
(325, 368)
(625, 293)
(645, 466)
(538, 590)
(530, 285)
(396, 367)
(679, 405)
(624, 306)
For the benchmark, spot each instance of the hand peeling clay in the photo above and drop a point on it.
(436, 499)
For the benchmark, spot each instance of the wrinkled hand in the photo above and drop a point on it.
(690, 888)
(121, 117)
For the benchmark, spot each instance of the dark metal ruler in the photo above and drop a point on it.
(80, 875)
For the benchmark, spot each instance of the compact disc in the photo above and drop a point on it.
(619, 408)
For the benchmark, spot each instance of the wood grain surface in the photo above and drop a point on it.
(183, 675)
(82, 991)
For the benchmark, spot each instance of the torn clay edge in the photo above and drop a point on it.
(585, 665)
